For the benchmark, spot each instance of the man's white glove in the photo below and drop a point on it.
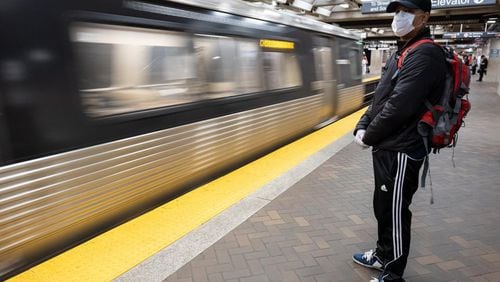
(359, 138)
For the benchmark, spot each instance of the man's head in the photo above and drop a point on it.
(411, 16)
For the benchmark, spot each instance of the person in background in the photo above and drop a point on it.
(483, 67)
(390, 126)
(474, 65)
(364, 62)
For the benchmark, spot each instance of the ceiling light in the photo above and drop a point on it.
(344, 5)
(490, 22)
(302, 5)
(323, 11)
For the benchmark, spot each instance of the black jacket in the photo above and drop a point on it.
(484, 64)
(399, 102)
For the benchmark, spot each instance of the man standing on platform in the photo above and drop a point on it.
(390, 127)
(482, 67)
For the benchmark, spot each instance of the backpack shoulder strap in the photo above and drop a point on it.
(412, 47)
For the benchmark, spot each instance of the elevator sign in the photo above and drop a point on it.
(379, 6)
(445, 4)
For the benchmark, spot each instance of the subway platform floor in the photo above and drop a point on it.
(310, 231)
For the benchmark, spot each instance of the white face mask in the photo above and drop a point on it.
(402, 24)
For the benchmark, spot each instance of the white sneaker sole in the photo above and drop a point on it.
(379, 268)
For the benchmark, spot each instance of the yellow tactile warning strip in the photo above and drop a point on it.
(371, 79)
(111, 254)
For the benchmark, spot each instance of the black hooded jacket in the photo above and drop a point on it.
(399, 101)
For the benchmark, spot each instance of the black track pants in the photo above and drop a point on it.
(396, 180)
(481, 73)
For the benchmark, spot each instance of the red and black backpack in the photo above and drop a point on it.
(439, 125)
(441, 122)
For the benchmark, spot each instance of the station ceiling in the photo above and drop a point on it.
(377, 26)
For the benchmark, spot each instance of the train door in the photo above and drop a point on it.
(350, 90)
(325, 82)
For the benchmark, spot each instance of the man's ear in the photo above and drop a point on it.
(427, 16)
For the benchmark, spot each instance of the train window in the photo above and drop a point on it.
(348, 63)
(95, 65)
(323, 63)
(228, 66)
(281, 70)
(170, 64)
(356, 63)
(249, 67)
(125, 69)
(216, 64)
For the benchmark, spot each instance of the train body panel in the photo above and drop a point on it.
(109, 109)
(81, 189)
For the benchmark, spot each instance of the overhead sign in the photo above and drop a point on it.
(377, 46)
(464, 35)
(374, 7)
(494, 53)
(379, 6)
(276, 44)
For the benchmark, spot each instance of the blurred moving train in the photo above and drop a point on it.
(109, 108)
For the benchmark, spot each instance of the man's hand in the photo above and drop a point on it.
(358, 139)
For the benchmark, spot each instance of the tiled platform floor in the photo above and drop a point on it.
(310, 231)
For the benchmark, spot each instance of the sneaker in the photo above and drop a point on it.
(368, 259)
(380, 278)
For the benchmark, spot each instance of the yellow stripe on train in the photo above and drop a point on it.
(277, 44)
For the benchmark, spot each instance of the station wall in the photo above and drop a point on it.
(491, 51)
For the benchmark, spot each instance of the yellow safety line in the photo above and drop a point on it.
(112, 253)
(370, 79)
